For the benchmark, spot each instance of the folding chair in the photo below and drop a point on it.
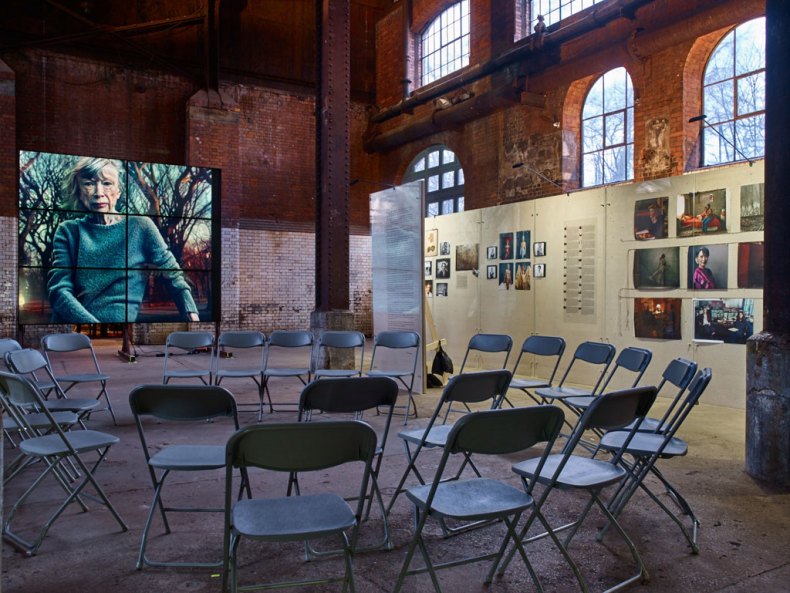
(296, 447)
(8, 345)
(241, 342)
(182, 404)
(568, 471)
(355, 395)
(57, 349)
(338, 341)
(646, 448)
(467, 388)
(494, 432)
(52, 449)
(401, 350)
(281, 347)
(188, 343)
(593, 354)
(678, 373)
(538, 346)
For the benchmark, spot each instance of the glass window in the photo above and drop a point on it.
(444, 46)
(733, 96)
(444, 180)
(608, 130)
(553, 11)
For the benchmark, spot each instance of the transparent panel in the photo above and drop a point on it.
(629, 125)
(592, 134)
(448, 156)
(751, 93)
(433, 209)
(593, 105)
(720, 65)
(433, 183)
(448, 179)
(460, 204)
(460, 176)
(614, 89)
(717, 149)
(433, 159)
(591, 170)
(750, 133)
(419, 165)
(448, 206)
(614, 164)
(614, 128)
(750, 46)
(719, 100)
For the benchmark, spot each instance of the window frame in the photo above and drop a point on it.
(453, 194)
(436, 28)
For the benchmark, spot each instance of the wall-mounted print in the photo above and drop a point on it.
(441, 289)
(723, 320)
(707, 267)
(466, 257)
(657, 319)
(523, 280)
(650, 219)
(491, 252)
(443, 268)
(505, 276)
(491, 272)
(657, 268)
(539, 270)
(539, 249)
(506, 248)
(752, 204)
(750, 265)
(431, 242)
(702, 213)
(522, 243)
(428, 268)
(429, 288)
(444, 248)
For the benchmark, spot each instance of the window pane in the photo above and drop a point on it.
(614, 132)
(750, 46)
(614, 89)
(719, 101)
(592, 134)
(460, 176)
(448, 206)
(446, 40)
(751, 136)
(614, 164)
(433, 183)
(419, 165)
(433, 209)
(751, 93)
(460, 204)
(720, 64)
(433, 159)
(629, 126)
(593, 105)
(591, 171)
(448, 156)
(717, 149)
(448, 179)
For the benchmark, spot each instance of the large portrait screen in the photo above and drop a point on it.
(109, 241)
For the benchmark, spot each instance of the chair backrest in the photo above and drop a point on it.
(290, 338)
(477, 387)
(397, 341)
(348, 394)
(678, 373)
(491, 344)
(635, 360)
(696, 388)
(592, 353)
(20, 391)
(25, 361)
(69, 342)
(189, 340)
(546, 346)
(8, 345)
(241, 339)
(184, 403)
(343, 340)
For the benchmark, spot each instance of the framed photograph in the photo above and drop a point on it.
(750, 265)
(443, 268)
(444, 248)
(702, 213)
(657, 319)
(539, 249)
(429, 288)
(428, 268)
(650, 219)
(491, 272)
(431, 242)
(657, 268)
(441, 289)
(522, 244)
(505, 276)
(539, 270)
(752, 205)
(466, 257)
(707, 267)
(506, 249)
(491, 252)
(723, 320)
(523, 280)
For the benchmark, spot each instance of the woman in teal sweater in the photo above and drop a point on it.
(95, 259)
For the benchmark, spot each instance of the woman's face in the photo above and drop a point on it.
(701, 259)
(100, 194)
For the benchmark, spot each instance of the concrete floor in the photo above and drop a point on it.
(743, 537)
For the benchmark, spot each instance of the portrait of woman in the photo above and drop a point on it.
(707, 267)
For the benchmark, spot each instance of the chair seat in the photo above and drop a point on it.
(437, 436)
(189, 457)
(579, 401)
(392, 373)
(526, 383)
(644, 443)
(472, 500)
(285, 372)
(238, 373)
(292, 517)
(561, 392)
(71, 404)
(579, 472)
(188, 373)
(40, 421)
(82, 378)
(649, 425)
(80, 440)
(336, 373)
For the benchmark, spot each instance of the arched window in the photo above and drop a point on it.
(444, 180)
(608, 130)
(444, 45)
(733, 96)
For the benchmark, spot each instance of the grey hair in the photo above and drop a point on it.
(87, 168)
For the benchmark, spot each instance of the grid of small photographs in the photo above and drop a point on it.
(515, 270)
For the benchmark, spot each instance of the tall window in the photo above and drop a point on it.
(445, 44)
(553, 11)
(733, 96)
(444, 180)
(608, 130)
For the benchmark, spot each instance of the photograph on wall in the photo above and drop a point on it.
(702, 213)
(539, 270)
(523, 273)
(441, 289)
(657, 268)
(431, 242)
(752, 207)
(522, 244)
(539, 249)
(491, 272)
(657, 318)
(466, 257)
(429, 288)
(707, 267)
(110, 241)
(444, 248)
(506, 248)
(428, 268)
(650, 219)
(505, 276)
(443, 268)
(723, 320)
(751, 265)
(491, 252)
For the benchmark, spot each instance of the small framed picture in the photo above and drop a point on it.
(429, 288)
(431, 242)
(491, 272)
(539, 250)
(491, 252)
(539, 270)
(443, 268)
(428, 268)
(441, 289)
(444, 248)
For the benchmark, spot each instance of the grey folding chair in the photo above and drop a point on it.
(8, 345)
(401, 350)
(594, 355)
(538, 347)
(188, 343)
(493, 433)
(52, 450)
(647, 448)
(678, 373)
(339, 345)
(571, 472)
(282, 347)
(74, 354)
(296, 448)
(242, 344)
(355, 395)
(182, 404)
